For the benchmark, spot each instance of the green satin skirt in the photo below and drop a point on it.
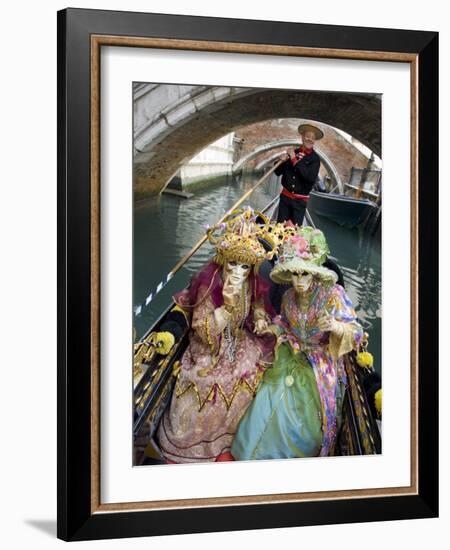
(284, 419)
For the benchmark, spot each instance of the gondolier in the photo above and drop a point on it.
(299, 172)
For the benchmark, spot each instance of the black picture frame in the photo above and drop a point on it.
(77, 517)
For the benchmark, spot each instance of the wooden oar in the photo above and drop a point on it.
(238, 203)
(168, 277)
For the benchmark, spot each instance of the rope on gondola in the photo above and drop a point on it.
(152, 295)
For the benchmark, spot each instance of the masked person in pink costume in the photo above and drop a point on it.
(229, 346)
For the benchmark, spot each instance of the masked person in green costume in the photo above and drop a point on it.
(298, 408)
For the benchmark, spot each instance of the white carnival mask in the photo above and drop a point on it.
(236, 273)
(302, 282)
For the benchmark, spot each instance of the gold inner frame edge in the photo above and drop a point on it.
(262, 49)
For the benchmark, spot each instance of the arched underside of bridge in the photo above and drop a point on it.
(159, 154)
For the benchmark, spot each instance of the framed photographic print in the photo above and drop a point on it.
(247, 274)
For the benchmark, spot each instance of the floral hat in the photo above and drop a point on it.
(303, 252)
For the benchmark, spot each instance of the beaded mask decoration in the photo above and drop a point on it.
(240, 238)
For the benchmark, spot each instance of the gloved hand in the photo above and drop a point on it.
(231, 295)
(327, 323)
(261, 327)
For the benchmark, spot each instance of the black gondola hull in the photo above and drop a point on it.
(346, 211)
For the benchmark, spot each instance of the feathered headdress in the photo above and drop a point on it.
(244, 236)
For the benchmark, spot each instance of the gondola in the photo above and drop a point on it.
(155, 376)
(346, 211)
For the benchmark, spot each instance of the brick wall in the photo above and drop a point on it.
(341, 153)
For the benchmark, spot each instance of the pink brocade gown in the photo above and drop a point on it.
(211, 392)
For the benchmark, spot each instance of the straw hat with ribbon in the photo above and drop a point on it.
(303, 128)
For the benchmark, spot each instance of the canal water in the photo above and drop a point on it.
(167, 227)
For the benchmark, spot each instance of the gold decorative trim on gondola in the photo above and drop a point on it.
(181, 310)
(240, 384)
(362, 414)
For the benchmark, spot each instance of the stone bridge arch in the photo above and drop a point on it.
(171, 126)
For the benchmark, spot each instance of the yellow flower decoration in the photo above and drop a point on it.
(378, 398)
(164, 342)
(364, 359)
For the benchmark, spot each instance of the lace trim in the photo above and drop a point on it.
(216, 389)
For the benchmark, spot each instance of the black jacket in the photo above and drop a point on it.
(300, 178)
